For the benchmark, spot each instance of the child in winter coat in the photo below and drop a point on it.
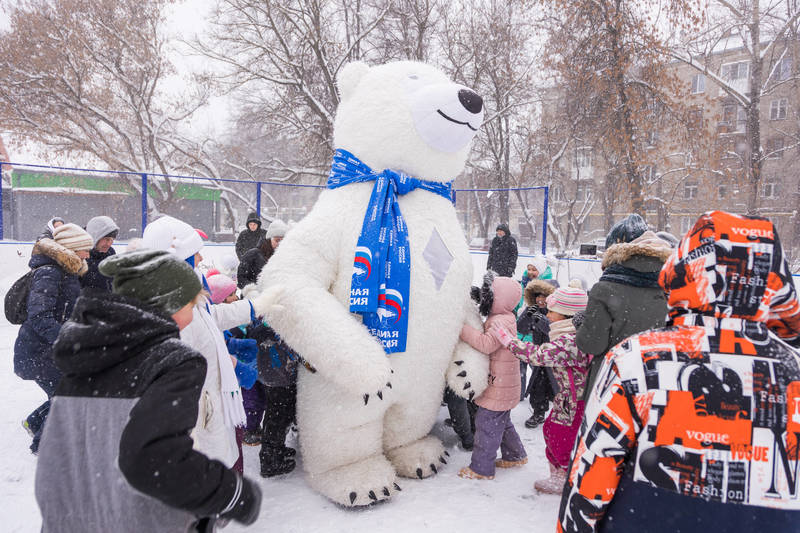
(221, 408)
(493, 427)
(116, 454)
(533, 327)
(570, 366)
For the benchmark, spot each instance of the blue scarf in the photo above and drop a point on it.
(379, 290)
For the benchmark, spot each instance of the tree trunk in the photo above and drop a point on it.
(754, 165)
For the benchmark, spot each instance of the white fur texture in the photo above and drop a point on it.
(364, 417)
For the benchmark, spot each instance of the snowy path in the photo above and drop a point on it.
(443, 503)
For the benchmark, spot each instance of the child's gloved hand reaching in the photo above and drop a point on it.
(506, 339)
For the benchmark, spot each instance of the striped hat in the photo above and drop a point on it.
(567, 301)
(73, 237)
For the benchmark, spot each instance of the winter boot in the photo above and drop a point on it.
(27, 427)
(534, 421)
(502, 463)
(554, 484)
(468, 473)
(252, 438)
(273, 462)
(286, 452)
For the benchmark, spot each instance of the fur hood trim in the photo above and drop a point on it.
(647, 245)
(66, 258)
(537, 286)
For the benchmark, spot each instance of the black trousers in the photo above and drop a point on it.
(462, 413)
(540, 391)
(38, 417)
(278, 416)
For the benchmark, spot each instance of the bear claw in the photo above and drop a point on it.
(397, 487)
(372, 496)
(419, 473)
(380, 395)
(353, 496)
(433, 467)
(366, 399)
(386, 491)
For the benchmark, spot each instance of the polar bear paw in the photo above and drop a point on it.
(468, 373)
(366, 482)
(419, 459)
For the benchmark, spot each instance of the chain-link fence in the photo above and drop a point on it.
(32, 194)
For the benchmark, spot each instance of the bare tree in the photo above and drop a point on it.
(282, 59)
(766, 33)
(88, 77)
(610, 52)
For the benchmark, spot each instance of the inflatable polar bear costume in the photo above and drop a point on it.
(364, 417)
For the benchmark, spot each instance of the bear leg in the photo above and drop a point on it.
(419, 459)
(366, 482)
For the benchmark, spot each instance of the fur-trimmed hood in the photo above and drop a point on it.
(537, 286)
(646, 245)
(66, 258)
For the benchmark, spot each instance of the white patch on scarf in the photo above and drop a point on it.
(438, 257)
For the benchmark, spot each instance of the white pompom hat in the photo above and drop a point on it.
(172, 235)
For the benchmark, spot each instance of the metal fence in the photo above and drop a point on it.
(32, 194)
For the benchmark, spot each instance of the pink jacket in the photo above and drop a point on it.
(502, 394)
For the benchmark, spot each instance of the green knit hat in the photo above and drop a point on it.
(154, 277)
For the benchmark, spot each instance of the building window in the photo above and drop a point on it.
(557, 193)
(769, 189)
(690, 190)
(583, 191)
(735, 71)
(652, 137)
(583, 157)
(777, 109)
(775, 148)
(649, 173)
(698, 84)
(784, 69)
(722, 192)
(735, 117)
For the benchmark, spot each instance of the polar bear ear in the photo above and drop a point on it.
(349, 77)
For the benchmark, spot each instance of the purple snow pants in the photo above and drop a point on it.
(559, 439)
(494, 429)
(255, 401)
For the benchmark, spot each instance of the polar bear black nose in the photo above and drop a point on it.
(470, 100)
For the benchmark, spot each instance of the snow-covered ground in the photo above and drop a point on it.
(443, 503)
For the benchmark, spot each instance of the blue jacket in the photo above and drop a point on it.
(93, 278)
(54, 289)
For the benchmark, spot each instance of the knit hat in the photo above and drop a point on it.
(221, 287)
(100, 227)
(154, 277)
(626, 230)
(277, 228)
(567, 301)
(172, 235)
(73, 237)
(253, 217)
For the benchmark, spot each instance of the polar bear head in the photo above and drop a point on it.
(406, 116)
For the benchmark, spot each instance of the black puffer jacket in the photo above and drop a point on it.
(253, 262)
(503, 254)
(93, 278)
(117, 435)
(247, 239)
(53, 291)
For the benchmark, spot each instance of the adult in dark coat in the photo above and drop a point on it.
(254, 260)
(53, 291)
(503, 253)
(103, 231)
(627, 299)
(127, 402)
(250, 237)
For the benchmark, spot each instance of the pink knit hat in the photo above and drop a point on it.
(567, 301)
(221, 287)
